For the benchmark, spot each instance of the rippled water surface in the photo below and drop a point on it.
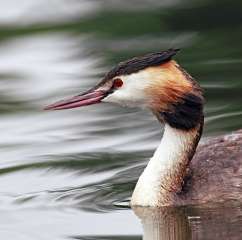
(70, 174)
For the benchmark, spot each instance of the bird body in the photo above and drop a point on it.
(216, 171)
(172, 176)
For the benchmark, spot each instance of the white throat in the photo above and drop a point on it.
(165, 171)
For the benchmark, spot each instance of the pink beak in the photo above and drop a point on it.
(88, 98)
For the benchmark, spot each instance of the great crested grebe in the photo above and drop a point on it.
(158, 83)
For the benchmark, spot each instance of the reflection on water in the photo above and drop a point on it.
(204, 222)
(70, 174)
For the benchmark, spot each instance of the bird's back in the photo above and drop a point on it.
(215, 172)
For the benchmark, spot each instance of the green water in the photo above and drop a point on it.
(70, 174)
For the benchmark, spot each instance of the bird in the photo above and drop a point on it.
(182, 171)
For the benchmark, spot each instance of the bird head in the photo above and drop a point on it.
(153, 81)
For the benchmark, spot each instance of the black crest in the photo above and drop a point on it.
(138, 63)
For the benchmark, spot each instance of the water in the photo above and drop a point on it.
(70, 174)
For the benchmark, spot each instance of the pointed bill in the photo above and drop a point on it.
(88, 98)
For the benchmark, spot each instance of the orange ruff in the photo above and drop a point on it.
(168, 85)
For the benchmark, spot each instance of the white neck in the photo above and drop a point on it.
(165, 171)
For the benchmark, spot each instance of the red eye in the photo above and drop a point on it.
(118, 83)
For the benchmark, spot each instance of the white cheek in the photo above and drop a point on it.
(132, 92)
